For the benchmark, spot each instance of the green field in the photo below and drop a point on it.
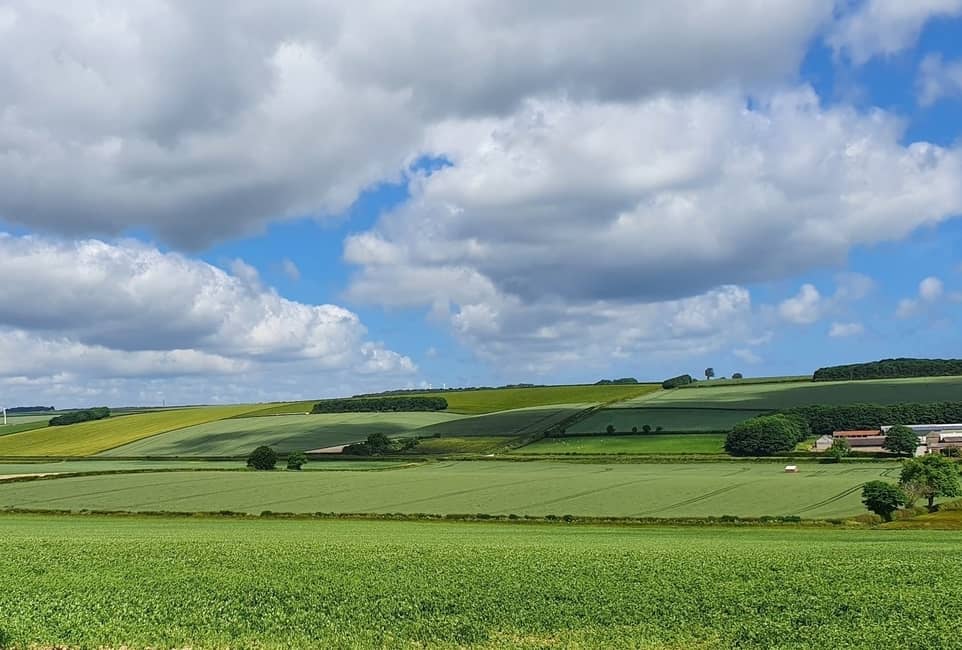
(286, 408)
(19, 427)
(88, 438)
(89, 582)
(451, 445)
(663, 443)
(515, 423)
(285, 433)
(495, 487)
(669, 419)
(787, 395)
(503, 399)
(8, 468)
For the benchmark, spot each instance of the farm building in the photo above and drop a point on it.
(933, 438)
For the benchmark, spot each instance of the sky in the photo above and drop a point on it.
(236, 201)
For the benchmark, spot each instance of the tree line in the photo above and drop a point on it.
(825, 419)
(29, 409)
(675, 382)
(75, 417)
(891, 369)
(622, 380)
(379, 404)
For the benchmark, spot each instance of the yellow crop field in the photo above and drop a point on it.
(89, 438)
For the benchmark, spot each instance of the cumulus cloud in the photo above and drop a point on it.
(96, 310)
(931, 290)
(202, 121)
(747, 355)
(843, 330)
(938, 79)
(804, 308)
(885, 27)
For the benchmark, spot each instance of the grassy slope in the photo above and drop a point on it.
(286, 408)
(685, 443)
(89, 438)
(503, 399)
(514, 423)
(238, 436)
(688, 409)
(535, 488)
(777, 396)
(671, 420)
(20, 427)
(333, 584)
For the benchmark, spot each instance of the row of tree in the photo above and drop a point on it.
(928, 477)
(824, 419)
(891, 369)
(457, 389)
(677, 382)
(75, 417)
(29, 409)
(380, 404)
(265, 458)
(622, 380)
(378, 444)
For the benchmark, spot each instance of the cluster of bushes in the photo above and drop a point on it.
(29, 409)
(264, 458)
(379, 404)
(928, 478)
(891, 369)
(824, 419)
(766, 435)
(623, 380)
(378, 444)
(675, 382)
(86, 415)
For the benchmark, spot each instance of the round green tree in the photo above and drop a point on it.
(839, 449)
(882, 498)
(296, 460)
(262, 458)
(930, 477)
(901, 440)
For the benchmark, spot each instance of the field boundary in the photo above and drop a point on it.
(773, 521)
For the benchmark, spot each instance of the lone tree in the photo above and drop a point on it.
(610, 428)
(296, 460)
(882, 498)
(709, 373)
(262, 458)
(737, 375)
(930, 477)
(901, 440)
(646, 428)
(839, 449)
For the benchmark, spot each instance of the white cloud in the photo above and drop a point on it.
(95, 311)
(804, 308)
(747, 355)
(886, 27)
(290, 269)
(938, 79)
(930, 291)
(844, 330)
(202, 121)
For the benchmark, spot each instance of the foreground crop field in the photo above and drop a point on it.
(663, 443)
(285, 433)
(503, 399)
(495, 487)
(111, 582)
(89, 438)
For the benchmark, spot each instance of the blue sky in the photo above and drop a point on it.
(258, 209)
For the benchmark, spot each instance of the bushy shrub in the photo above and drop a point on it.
(296, 460)
(765, 435)
(378, 444)
(675, 382)
(623, 380)
(882, 498)
(380, 404)
(890, 369)
(86, 415)
(262, 458)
